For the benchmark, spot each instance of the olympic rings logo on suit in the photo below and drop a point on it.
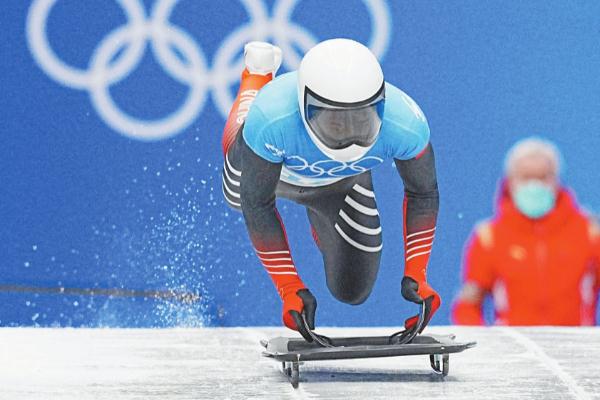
(320, 168)
(128, 44)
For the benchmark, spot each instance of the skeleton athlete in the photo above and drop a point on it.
(312, 136)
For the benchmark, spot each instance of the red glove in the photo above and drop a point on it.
(297, 298)
(419, 292)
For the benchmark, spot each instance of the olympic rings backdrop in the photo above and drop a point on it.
(110, 201)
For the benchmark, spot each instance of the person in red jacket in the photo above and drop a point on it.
(539, 256)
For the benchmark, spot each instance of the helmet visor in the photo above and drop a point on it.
(339, 125)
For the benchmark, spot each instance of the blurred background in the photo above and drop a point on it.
(111, 212)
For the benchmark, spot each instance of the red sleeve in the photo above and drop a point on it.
(466, 313)
(258, 183)
(421, 204)
(477, 259)
(595, 238)
(590, 300)
(477, 270)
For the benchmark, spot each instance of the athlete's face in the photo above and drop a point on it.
(345, 126)
(533, 168)
(337, 122)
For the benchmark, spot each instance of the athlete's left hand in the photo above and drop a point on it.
(419, 292)
(296, 304)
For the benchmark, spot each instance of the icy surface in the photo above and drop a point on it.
(226, 363)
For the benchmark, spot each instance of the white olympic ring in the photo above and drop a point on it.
(128, 44)
(318, 170)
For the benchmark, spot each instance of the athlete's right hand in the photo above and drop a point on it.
(296, 302)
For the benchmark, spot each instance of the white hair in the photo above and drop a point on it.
(533, 146)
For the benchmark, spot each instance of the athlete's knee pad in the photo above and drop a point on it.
(348, 291)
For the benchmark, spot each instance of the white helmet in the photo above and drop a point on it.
(341, 93)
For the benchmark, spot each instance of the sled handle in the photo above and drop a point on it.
(407, 335)
(321, 340)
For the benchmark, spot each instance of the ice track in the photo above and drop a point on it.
(225, 363)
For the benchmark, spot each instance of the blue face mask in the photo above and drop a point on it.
(534, 198)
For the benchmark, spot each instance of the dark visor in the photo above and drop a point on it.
(339, 125)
